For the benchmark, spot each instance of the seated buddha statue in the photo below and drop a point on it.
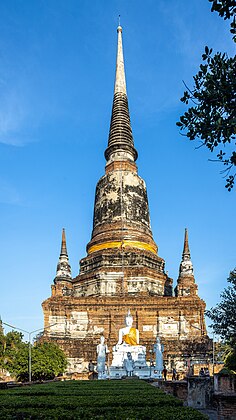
(128, 334)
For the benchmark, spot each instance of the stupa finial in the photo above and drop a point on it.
(186, 250)
(120, 82)
(120, 142)
(63, 266)
(63, 243)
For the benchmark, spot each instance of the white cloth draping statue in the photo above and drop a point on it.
(102, 350)
(158, 349)
(128, 334)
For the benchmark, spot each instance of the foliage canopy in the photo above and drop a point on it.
(212, 118)
(48, 360)
(10, 344)
(227, 10)
(224, 319)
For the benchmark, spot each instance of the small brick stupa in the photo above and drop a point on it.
(122, 270)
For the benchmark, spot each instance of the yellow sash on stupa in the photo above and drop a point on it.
(131, 337)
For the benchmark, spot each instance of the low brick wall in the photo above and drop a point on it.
(197, 392)
(226, 406)
(225, 383)
(178, 389)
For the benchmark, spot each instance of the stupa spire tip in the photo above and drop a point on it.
(120, 141)
(63, 242)
(186, 244)
(119, 28)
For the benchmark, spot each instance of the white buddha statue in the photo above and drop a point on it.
(158, 349)
(128, 334)
(102, 350)
(129, 365)
(128, 356)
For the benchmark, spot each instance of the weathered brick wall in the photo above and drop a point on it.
(77, 324)
(208, 364)
(200, 392)
(226, 406)
(177, 389)
(225, 383)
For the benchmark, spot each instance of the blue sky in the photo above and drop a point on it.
(56, 87)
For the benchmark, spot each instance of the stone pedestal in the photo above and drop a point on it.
(120, 351)
(200, 392)
(119, 355)
(103, 375)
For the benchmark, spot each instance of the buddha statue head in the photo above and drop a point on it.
(129, 319)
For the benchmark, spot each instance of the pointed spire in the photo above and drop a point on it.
(186, 250)
(63, 243)
(120, 83)
(186, 285)
(120, 142)
(63, 266)
(186, 266)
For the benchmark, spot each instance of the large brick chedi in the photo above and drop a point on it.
(122, 269)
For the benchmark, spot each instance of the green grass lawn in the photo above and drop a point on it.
(134, 399)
